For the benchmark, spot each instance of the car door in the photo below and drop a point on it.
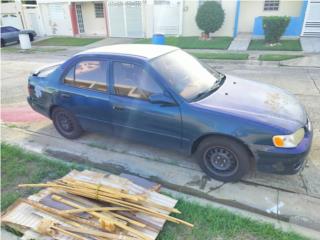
(13, 34)
(5, 34)
(85, 92)
(134, 116)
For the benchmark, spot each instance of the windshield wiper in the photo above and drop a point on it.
(208, 92)
(222, 76)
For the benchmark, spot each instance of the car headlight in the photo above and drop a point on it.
(289, 141)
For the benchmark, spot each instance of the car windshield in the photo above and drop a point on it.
(187, 76)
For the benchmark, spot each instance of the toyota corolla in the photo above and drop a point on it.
(161, 95)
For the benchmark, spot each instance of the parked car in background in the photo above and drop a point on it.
(11, 34)
(163, 96)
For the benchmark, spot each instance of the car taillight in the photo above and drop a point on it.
(30, 88)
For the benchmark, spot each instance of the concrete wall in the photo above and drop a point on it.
(33, 19)
(92, 25)
(12, 8)
(249, 10)
(190, 27)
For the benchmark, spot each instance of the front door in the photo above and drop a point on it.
(134, 116)
(80, 18)
(85, 93)
(167, 17)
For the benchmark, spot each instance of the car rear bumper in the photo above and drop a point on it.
(285, 160)
(37, 107)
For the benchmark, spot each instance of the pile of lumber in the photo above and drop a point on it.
(91, 205)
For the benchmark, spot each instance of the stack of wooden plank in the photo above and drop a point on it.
(91, 205)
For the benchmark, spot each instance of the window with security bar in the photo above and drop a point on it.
(98, 9)
(271, 5)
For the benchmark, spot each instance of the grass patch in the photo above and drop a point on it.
(277, 57)
(194, 42)
(66, 41)
(283, 45)
(20, 166)
(33, 50)
(223, 56)
(213, 223)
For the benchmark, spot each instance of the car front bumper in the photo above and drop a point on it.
(285, 160)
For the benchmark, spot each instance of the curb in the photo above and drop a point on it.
(245, 62)
(278, 224)
(254, 63)
(118, 162)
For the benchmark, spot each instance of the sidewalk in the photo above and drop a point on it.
(186, 177)
(310, 44)
(307, 61)
(240, 43)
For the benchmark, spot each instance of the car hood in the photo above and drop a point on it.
(258, 101)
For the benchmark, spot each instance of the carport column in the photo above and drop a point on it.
(105, 12)
(303, 15)
(236, 19)
(74, 21)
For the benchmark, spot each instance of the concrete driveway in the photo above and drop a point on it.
(295, 198)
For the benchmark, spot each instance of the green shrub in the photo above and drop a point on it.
(210, 16)
(274, 27)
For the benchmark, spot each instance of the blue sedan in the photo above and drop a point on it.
(161, 95)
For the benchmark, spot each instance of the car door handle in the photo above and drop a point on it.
(65, 95)
(118, 108)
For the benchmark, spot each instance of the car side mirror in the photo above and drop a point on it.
(161, 99)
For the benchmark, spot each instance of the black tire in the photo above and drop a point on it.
(66, 123)
(223, 158)
(3, 43)
(31, 37)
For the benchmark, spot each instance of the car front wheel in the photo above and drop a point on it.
(223, 159)
(66, 123)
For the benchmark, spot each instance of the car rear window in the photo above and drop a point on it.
(88, 74)
(45, 72)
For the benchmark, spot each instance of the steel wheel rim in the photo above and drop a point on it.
(221, 161)
(65, 123)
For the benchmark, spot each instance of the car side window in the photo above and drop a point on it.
(131, 80)
(4, 30)
(88, 74)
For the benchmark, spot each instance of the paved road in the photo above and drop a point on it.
(295, 198)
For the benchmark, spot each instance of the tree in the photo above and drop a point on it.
(210, 17)
(274, 27)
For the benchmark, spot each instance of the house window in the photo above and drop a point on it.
(271, 5)
(98, 9)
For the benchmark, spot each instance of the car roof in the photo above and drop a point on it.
(147, 51)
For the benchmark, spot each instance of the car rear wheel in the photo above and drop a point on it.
(66, 123)
(223, 159)
(31, 37)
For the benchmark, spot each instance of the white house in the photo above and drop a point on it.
(143, 18)
(21, 16)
